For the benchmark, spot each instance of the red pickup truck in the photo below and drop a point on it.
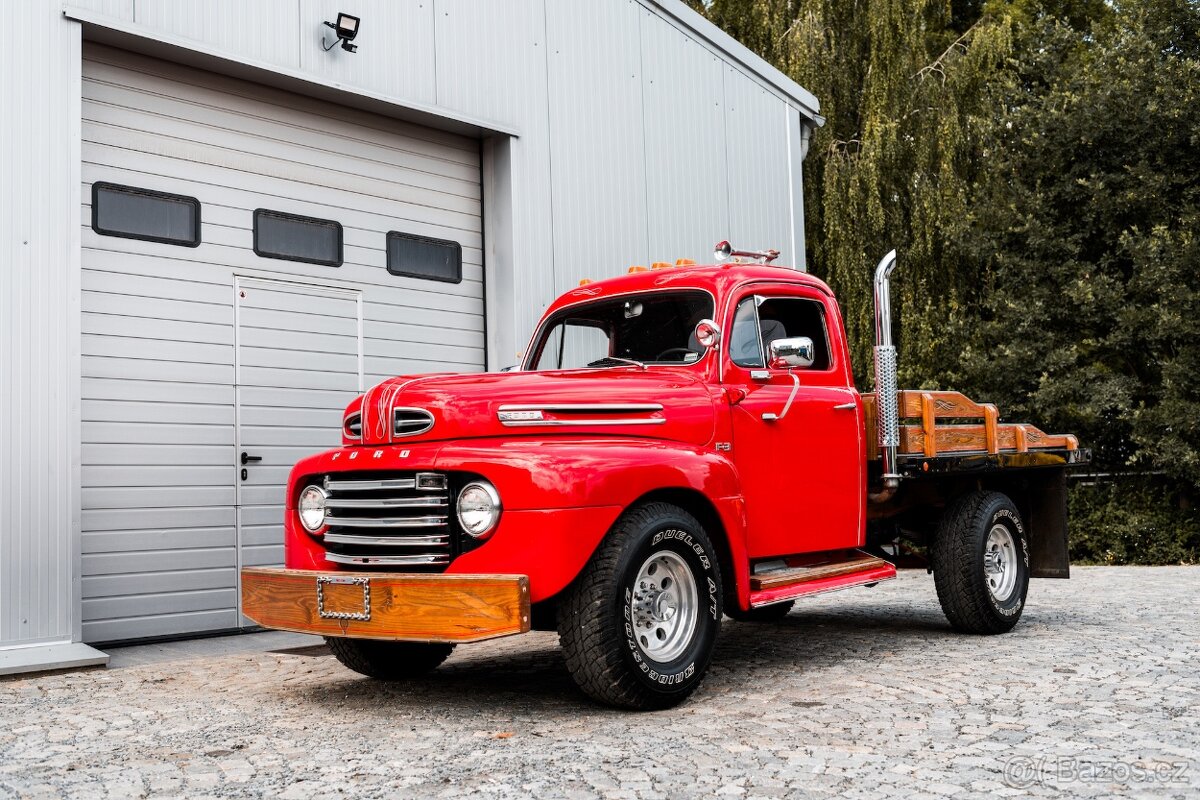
(681, 443)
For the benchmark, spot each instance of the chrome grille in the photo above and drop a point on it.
(389, 521)
(411, 421)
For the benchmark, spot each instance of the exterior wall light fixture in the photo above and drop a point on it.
(346, 29)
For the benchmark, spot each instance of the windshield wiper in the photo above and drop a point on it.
(613, 361)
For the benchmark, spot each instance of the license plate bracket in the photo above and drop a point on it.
(344, 597)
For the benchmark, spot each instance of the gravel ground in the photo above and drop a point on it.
(863, 694)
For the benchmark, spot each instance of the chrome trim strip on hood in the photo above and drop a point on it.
(516, 415)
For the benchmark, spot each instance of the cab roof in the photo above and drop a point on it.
(718, 279)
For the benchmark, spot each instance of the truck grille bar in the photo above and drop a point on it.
(392, 520)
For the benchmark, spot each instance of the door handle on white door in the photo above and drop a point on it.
(844, 407)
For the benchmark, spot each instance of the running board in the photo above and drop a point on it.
(790, 582)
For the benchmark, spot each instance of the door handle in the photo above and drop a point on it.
(844, 407)
(247, 458)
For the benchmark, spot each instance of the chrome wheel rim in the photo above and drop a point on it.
(1000, 563)
(666, 606)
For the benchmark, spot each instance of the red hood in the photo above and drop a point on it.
(657, 403)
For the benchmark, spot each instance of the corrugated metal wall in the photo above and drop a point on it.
(39, 328)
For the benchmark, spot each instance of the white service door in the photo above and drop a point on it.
(299, 363)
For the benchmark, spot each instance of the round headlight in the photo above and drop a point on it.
(311, 507)
(478, 509)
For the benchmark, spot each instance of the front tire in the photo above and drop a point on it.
(388, 661)
(639, 624)
(981, 563)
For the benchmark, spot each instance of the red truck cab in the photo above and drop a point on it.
(680, 443)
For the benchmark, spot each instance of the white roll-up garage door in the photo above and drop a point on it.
(194, 354)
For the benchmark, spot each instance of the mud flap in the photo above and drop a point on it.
(1046, 516)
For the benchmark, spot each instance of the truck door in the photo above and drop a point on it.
(801, 463)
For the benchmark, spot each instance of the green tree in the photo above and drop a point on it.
(1086, 227)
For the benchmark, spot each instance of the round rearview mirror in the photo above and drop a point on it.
(722, 251)
(707, 333)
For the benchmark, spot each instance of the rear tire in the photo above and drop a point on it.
(388, 661)
(638, 625)
(981, 563)
(771, 613)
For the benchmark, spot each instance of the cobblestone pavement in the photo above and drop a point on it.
(863, 694)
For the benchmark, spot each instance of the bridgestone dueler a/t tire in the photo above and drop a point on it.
(595, 617)
(958, 563)
(388, 661)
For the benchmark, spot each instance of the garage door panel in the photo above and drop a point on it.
(173, 121)
(170, 497)
(265, 319)
(157, 412)
(97, 542)
(149, 433)
(166, 517)
(270, 397)
(162, 475)
(292, 378)
(145, 518)
(114, 271)
(318, 438)
(173, 330)
(122, 454)
(387, 334)
(158, 561)
(270, 473)
(141, 307)
(262, 556)
(141, 627)
(112, 585)
(334, 362)
(174, 602)
(207, 91)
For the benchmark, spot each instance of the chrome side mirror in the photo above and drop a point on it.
(708, 333)
(797, 352)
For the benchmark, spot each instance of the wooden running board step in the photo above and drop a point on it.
(795, 581)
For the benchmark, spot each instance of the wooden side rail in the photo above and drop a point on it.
(930, 437)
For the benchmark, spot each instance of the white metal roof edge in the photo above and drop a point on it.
(117, 32)
(684, 15)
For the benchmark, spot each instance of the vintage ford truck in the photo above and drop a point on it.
(680, 444)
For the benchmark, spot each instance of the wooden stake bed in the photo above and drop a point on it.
(976, 427)
(392, 606)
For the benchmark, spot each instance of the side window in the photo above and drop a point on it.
(424, 257)
(572, 345)
(133, 213)
(789, 317)
(745, 342)
(294, 238)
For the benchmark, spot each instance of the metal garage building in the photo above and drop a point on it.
(216, 232)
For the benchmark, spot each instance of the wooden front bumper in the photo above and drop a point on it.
(393, 606)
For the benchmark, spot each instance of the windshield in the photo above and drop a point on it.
(654, 328)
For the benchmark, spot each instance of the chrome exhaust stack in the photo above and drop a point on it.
(886, 398)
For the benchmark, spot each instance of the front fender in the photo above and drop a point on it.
(562, 495)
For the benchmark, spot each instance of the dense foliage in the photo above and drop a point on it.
(1037, 165)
